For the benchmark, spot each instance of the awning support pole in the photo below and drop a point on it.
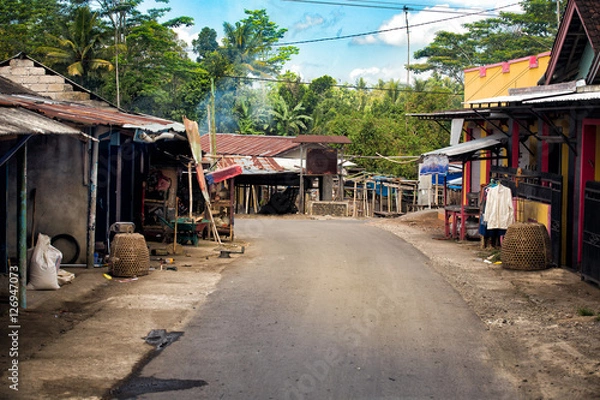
(91, 239)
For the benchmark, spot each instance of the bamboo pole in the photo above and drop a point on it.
(254, 199)
(355, 208)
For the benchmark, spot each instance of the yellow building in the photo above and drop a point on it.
(496, 79)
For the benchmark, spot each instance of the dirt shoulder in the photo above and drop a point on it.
(550, 350)
(81, 340)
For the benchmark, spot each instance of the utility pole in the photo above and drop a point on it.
(213, 119)
(408, 47)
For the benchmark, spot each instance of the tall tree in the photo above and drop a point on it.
(205, 43)
(509, 36)
(153, 67)
(25, 24)
(249, 47)
(79, 49)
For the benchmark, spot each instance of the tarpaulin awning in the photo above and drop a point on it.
(223, 174)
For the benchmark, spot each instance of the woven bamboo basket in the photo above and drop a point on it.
(129, 255)
(526, 246)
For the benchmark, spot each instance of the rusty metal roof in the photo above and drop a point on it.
(252, 165)
(322, 139)
(88, 115)
(17, 121)
(250, 145)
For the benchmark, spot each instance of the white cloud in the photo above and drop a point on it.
(187, 33)
(369, 39)
(373, 74)
(423, 25)
(308, 21)
(314, 20)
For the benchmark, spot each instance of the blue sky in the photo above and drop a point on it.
(372, 57)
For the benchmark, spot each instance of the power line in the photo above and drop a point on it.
(392, 6)
(380, 31)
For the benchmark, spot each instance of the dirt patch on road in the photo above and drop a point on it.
(551, 350)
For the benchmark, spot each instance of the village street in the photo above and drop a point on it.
(316, 308)
(332, 309)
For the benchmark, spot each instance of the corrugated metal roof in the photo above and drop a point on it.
(87, 115)
(465, 113)
(569, 97)
(17, 121)
(249, 145)
(471, 146)
(322, 139)
(252, 165)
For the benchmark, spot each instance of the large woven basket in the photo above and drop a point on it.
(526, 246)
(129, 255)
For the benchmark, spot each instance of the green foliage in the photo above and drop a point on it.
(157, 77)
(153, 69)
(25, 24)
(205, 44)
(491, 40)
(248, 47)
(79, 48)
(288, 121)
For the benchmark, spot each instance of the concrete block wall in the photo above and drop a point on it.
(24, 72)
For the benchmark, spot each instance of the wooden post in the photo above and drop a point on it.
(93, 194)
(355, 209)
(373, 202)
(190, 189)
(175, 228)
(22, 224)
(301, 179)
(254, 199)
(365, 193)
(247, 192)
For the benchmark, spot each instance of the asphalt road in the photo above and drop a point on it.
(332, 309)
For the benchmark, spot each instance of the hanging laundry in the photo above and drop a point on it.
(499, 211)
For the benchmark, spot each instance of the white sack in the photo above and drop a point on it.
(45, 262)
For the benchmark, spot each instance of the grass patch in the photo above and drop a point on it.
(585, 312)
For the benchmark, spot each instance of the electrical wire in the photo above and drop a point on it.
(380, 31)
(391, 6)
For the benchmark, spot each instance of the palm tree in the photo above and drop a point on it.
(393, 90)
(242, 44)
(77, 50)
(288, 121)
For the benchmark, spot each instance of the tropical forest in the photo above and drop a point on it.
(135, 60)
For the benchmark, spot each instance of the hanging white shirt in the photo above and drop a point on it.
(499, 211)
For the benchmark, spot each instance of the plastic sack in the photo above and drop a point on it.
(64, 277)
(45, 262)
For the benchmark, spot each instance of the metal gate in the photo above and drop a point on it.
(590, 258)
